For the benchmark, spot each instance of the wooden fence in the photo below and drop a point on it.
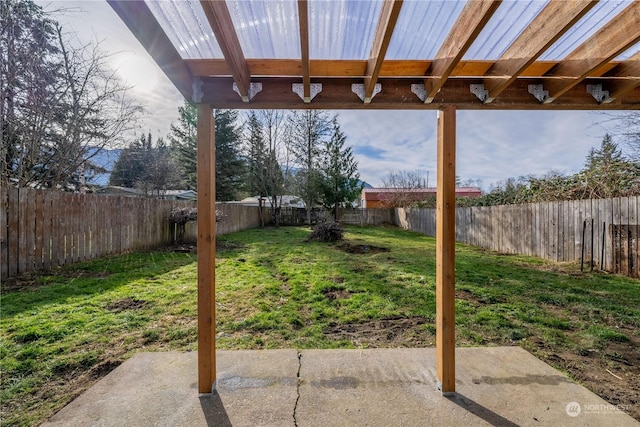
(43, 229)
(601, 233)
(375, 216)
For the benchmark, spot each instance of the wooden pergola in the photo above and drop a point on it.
(597, 68)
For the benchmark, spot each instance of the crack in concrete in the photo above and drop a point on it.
(298, 381)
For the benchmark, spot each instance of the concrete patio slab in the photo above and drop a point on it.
(500, 386)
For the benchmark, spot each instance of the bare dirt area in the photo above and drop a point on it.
(361, 249)
(381, 333)
(611, 372)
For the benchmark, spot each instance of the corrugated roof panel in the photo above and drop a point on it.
(342, 29)
(595, 19)
(422, 27)
(506, 24)
(187, 27)
(266, 29)
(629, 52)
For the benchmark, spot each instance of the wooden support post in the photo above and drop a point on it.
(445, 250)
(206, 250)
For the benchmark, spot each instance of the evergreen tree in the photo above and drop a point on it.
(230, 167)
(130, 166)
(341, 181)
(256, 157)
(147, 167)
(607, 173)
(184, 144)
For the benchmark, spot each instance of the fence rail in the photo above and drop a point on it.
(41, 229)
(602, 233)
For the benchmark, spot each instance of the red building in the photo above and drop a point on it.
(396, 197)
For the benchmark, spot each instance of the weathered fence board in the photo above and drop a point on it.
(43, 229)
(603, 233)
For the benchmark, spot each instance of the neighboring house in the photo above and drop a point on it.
(394, 197)
(113, 190)
(287, 201)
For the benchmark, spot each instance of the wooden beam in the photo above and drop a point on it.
(336, 94)
(445, 250)
(629, 74)
(206, 249)
(614, 38)
(303, 22)
(387, 22)
(144, 26)
(472, 19)
(546, 28)
(414, 69)
(220, 20)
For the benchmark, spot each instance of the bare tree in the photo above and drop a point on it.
(62, 111)
(278, 165)
(403, 184)
(307, 132)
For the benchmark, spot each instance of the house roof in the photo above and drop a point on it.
(395, 54)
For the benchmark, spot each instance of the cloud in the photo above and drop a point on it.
(491, 145)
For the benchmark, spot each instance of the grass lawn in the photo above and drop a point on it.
(63, 330)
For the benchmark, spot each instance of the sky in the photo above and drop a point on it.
(491, 145)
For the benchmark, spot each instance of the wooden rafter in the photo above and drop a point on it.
(472, 19)
(220, 20)
(618, 35)
(548, 26)
(144, 26)
(303, 20)
(388, 18)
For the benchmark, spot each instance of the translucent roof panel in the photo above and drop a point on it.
(595, 19)
(266, 29)
(506, 24)
(422, 27)
(342, 29)
(629, 53)
(187, 27)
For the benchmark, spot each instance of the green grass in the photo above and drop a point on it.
(275, 290)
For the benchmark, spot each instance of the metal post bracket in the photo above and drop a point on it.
(298, 88)
(479, 91)
(254, 88)
(538, 92)
(601, 96)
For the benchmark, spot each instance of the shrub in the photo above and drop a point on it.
(326, 232)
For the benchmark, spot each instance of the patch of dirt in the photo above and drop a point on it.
(31, 281)
(610, 372)
(333, 294)
(361, 249)
(380, 333)
(463, 294)
(126, 304)
(226, 245)
(184, 248)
